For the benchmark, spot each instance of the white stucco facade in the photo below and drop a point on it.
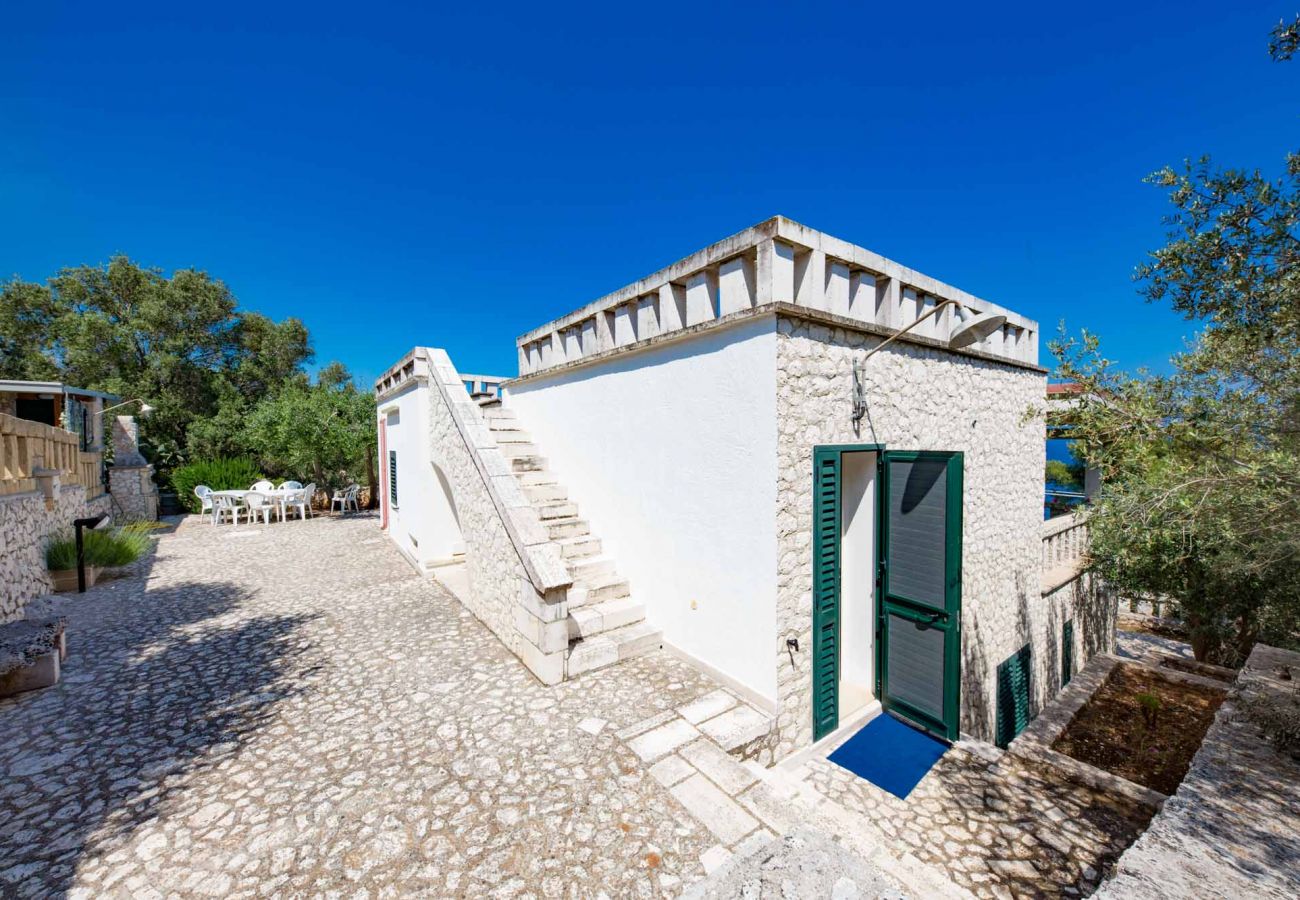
(671, 454)
(663, 439)
(423, 523)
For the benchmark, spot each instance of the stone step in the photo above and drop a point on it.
(589, 621)
(512, 451)
(558, 510)
(510, 436)
(539, 477)
(586, 591)
(486, 401)
(589, 567)
(613, 646)
(580, 546)
(541, 493)
(498, 413)
(527, 463)
(566, 528)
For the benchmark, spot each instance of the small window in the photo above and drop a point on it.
(392, 476)
(1013, 696)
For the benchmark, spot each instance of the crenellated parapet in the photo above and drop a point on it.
(781, 266)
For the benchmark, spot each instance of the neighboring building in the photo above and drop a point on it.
(53, 403)
(714, 459)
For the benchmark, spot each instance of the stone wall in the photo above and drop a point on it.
(517, 578)
(134, 495)
(919, 398)
(1232, 829)
(25, 525)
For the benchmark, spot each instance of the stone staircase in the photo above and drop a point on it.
(606, 624)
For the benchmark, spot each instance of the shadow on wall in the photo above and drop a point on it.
(159, 691)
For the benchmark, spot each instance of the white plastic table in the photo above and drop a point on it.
(277, 495)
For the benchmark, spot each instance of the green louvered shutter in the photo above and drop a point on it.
(1067, 653)
(1013, 696)
(392, 476)
(826, 591)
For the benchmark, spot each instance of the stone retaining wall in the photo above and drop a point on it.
(25, 526)
(1232, 829)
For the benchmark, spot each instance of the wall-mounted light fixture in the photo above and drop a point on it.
(145, 408)
(967, 330)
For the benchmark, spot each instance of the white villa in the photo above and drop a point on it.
(715, 460)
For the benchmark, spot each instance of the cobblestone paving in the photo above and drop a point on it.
(290, 710)
(998, 830)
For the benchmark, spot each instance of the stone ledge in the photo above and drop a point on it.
(1034, 745)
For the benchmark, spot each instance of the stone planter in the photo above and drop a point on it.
(66, 579)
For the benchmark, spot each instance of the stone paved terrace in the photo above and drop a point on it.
(994, 827)
(292, 710)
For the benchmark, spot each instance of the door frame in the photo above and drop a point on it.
(952, 556)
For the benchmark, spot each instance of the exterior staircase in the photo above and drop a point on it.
(606, 624)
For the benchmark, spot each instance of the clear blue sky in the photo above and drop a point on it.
(396, 176)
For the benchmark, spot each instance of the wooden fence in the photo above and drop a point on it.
(26, 446)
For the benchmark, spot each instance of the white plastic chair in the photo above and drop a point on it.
(259, 504)
(204, 493)
(223, 505)
(309, 494)
(262, 486)
(290, 485)
(293, 499)
(345, 498)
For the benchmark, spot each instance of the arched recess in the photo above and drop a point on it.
(445, 519)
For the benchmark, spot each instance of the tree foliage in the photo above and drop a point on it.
(323, 431)
(181, 343)
(1201, 468)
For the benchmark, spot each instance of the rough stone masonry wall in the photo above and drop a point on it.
(493, 566)
(918, 399)
(517, 578)
(1232, 829)
(25, 526)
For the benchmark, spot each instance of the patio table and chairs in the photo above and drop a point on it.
(263, 499)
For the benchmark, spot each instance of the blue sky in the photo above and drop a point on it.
(453, 177)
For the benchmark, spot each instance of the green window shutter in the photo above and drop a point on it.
(826, 591)
(1067, 653)
(392, 476)
(1013, 696)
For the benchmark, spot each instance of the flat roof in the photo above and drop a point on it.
(52, 387)
(775, 265)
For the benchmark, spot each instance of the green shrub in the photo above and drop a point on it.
(106, 549)
(61, 552)
(225, 474)
(116, 547)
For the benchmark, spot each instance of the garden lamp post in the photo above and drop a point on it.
(92, 522)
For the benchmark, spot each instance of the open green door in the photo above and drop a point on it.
(920, 572)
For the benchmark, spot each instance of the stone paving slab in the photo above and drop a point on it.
(805, 863)
(996, 830)
(290, 709)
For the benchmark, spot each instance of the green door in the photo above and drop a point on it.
(827, 553)
(920, 572)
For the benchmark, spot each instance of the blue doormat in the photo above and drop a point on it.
(889, 754)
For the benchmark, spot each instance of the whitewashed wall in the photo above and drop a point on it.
(424, 523)
(918, 399)
(670, 453)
